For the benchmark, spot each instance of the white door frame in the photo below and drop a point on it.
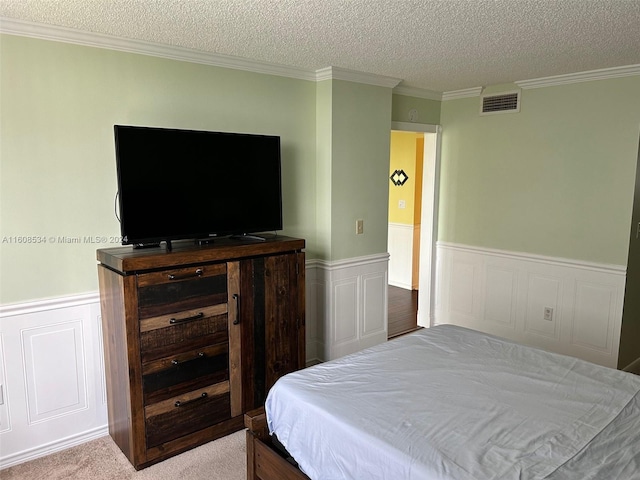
(429, 217)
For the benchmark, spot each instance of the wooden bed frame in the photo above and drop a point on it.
(264, 460)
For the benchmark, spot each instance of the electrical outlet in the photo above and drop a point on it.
(548, 313)
(359, 227)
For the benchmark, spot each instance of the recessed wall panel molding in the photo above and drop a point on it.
(54, 365)
(463, 298)
(500, 296)
(594, 302)
(345, 310)
(558, 304)
(374, 321)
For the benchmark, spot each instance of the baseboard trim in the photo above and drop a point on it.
(53, 447)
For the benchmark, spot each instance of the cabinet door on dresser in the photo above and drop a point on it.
(272, 317)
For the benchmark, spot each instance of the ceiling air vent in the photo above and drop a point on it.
(502, 103)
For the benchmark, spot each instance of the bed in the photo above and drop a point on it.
(448, 403)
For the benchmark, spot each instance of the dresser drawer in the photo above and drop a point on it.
(187, 413)
(181, 289)
(183, 372)
(182, 332)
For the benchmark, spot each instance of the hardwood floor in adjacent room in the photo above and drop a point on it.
(403, 311)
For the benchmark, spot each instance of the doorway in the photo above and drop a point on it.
(413, 229)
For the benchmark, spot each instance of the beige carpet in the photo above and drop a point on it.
(101, 459)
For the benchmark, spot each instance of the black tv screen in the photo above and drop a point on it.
(188, 184)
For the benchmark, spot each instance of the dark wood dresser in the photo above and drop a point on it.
(195, 337)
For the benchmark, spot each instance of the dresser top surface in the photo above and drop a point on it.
(128, 260)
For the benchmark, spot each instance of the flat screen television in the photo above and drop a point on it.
(188, 184)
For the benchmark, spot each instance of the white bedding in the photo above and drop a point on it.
(451, 403)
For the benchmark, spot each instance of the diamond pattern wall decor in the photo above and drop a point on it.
(399, 178)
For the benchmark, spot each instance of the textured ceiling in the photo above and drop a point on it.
(439, 45)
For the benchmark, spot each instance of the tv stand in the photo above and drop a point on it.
(245, 236)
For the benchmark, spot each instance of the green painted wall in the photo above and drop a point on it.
(428, 111)
(58, 105)
(323, 166)
(555, 179)
(359, 168)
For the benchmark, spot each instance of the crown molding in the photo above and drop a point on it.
(417, 92)
(588, 76)
(465, 93)
(337, 73)
(68, 35)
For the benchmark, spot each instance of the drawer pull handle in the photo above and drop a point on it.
(236, 297)
(173, 321)
(197, 273)
(177, 362)
(187, 402)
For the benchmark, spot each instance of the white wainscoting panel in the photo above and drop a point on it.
(352, 304)
(373, 303)
(400, 246)
(593, 303)
(500, 294)
(506, 294)
(345, 305)
(53, 377)
(53, 355)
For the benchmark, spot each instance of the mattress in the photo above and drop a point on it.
(451, 403)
